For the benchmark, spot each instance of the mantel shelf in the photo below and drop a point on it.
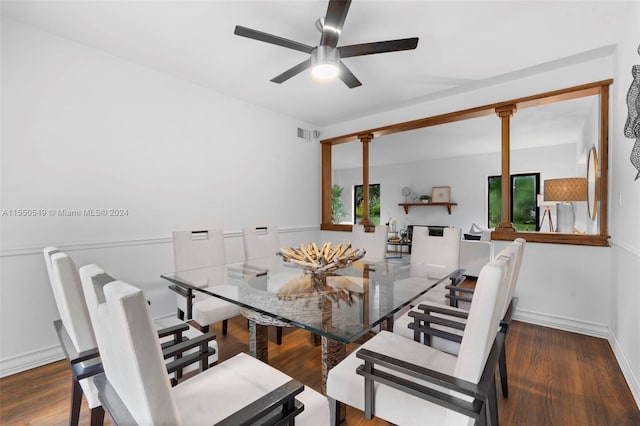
(407, 205)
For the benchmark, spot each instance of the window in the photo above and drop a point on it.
(374, 203)
(524, 208)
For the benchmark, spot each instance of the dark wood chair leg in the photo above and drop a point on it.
(97, 416)
(502, 363)
(335, 410)
(492, 404)
(180, 314)
(279, 335)
(224, 327)
(76, 402)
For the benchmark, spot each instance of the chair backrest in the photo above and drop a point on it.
(260, 242)
(432, 255)
(482, 323)
(129, 348)
(197, 249)
(69, 297)
(374, 243)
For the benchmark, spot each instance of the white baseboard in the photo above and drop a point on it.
(562, 323)
(627, 371)
(27, 361)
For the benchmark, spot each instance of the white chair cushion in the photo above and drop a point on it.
(241, 379)
(211, 310)
(391, 404)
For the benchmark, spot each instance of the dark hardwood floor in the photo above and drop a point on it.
(555, 377)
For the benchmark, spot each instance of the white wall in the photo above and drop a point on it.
(624, 204)
(83, 129)
(467, 178)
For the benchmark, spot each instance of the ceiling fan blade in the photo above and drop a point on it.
(270, 38)
(347, 76)
(292, 71)
(378, 47)
(333, 22)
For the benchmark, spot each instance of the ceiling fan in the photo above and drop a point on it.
(326, 57)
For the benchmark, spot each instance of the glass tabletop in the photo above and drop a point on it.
(342, 305)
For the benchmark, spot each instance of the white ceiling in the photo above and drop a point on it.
(462, 45)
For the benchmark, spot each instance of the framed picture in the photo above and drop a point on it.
(441, 194)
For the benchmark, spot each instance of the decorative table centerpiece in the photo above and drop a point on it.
(321, 260)
(320, 263)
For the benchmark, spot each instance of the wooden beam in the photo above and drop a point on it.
(574, 92)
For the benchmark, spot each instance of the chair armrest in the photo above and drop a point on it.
(268, 407)
(422, 322)
(174, 329)
(457, 277)
(481, 392)
(69, 349)
(181, 361)
(455, 288)
(182, 291)
(445, 399)
(179, 348)
(442, 310)
(187, 293)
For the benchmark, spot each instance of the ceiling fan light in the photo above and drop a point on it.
(325, 71)
(325, 62)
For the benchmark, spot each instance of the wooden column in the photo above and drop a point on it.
(603, 153)
(326, 184)
(505, 112)
(365, 139)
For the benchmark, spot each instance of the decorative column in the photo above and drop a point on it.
(505, 112)
(326, 184)
(365, 139)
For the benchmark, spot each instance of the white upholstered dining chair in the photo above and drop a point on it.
(75, 333)
(134, 388)
(374, 243)
(432, 256)
(407, 383)
(263, 242)
(198, 249)
(432, 324)
(182, 345)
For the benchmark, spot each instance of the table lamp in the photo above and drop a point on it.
(547, 211)
(564, 191)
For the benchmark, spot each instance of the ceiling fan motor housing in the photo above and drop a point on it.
(324, 55)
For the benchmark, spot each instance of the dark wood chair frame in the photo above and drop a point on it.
(422, 326)
(483, 408)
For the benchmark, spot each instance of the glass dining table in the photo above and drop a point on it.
(340, 307)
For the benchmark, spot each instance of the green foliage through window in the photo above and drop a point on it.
(374, 203)
(524, 208)
(337, 209)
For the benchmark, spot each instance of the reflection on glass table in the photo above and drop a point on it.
(340, 307)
